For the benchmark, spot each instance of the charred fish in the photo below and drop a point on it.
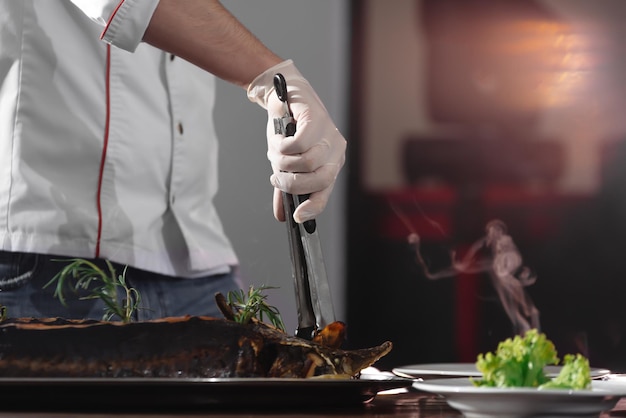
(186, 347)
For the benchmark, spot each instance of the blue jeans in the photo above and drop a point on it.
(23, 278)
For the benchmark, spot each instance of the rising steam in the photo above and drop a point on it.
(497, 255)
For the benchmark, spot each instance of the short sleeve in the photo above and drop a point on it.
(124, 22)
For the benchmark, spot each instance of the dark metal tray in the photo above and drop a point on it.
(159, 393)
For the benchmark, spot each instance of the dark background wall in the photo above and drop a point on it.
(465, 111)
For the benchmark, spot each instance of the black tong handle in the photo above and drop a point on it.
(281, 91)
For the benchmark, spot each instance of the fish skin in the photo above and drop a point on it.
(182, 347)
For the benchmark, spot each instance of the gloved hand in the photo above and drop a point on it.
(308, 162)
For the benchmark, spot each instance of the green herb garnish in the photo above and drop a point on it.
(84, 275)
(252, 304)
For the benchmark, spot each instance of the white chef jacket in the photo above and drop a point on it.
(107, 145)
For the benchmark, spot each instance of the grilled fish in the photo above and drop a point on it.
(186, 347)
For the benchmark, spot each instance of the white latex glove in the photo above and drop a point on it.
(309, 161)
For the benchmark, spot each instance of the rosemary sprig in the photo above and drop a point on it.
(84, 275)
(253, 304)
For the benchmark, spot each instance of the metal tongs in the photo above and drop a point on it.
(313, 299)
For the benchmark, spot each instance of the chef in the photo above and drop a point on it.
(108, 149)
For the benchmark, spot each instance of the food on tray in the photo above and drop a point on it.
(520, 362)
(171, 347)
(240, 345)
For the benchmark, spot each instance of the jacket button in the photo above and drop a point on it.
(179, 126)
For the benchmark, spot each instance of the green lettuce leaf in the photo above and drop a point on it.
(517, 362)
(575, 374)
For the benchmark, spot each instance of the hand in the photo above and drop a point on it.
(308, 162)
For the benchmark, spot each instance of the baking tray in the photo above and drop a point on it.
(159, 393)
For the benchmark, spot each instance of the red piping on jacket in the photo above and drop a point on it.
(111, 18)
(104, 147)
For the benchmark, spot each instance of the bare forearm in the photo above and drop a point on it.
(206, 34)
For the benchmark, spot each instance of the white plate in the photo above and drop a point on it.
(443, 370)
(616, 381)
(475, 402)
